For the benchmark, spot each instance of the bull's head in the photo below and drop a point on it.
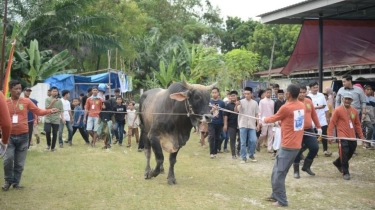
(197, 98)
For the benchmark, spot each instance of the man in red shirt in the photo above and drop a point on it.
(93, 107)
(345, 119)
(15, 155)
(5, 125)
(291, 116)
(310, 142)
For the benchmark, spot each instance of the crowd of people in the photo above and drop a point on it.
(288, 123)
(95, 116)
(284, 122)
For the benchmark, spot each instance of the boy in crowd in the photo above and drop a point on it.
(78, 120)
(247, 125)
(120, 116)
(231, 122)
(266, 109)
(93, 107)
(277, 137)
(133, 122)
(107, 118)
(291, 116)
(52, 121)
(67, 111)
(215, 127)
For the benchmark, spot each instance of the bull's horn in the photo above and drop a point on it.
(211, 86)
(186, 85)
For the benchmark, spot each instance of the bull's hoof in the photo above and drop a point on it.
(148, 174)
(172, 181)
(162, 171)
(155, 173)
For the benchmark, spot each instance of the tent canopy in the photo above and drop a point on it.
(80, 84)
(345, 42)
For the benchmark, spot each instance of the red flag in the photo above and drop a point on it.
(9, 67)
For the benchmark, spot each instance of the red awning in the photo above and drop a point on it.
(345, 42)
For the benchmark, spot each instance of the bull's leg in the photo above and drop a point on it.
(172, 161)
(159, 157)
(147, 150)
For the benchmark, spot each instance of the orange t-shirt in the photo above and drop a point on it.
(21, 108)
(310, 115)
(341, 119)
(5, 122)
(94, 106)
(291, 116)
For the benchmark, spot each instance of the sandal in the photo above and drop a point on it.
(277, 204)
(270, 199)
(17, 187)
(6, 186)
(129, 145)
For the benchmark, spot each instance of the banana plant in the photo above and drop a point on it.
(166, 75)
(39, 65)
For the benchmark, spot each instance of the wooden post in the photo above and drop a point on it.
(271, 60)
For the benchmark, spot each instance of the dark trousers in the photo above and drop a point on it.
(83, 133)
(346, 152)
(31, 127)
(232, 139)
(214, 131)
(311, 143)
(55, 128)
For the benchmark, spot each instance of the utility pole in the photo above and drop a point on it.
(3, 44)
(271, 60)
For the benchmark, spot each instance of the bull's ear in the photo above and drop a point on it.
(180, 96)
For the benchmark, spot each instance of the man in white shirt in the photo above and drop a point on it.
(67, 116)
(321, 109)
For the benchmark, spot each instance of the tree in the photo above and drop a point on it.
(240, 64)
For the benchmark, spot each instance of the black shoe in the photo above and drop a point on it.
(296, 170)
(306, 167)
(66, 141)
(43, 133)
(346, 176)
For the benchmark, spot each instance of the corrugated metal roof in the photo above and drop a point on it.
(287, 7)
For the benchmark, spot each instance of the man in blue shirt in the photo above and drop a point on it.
(216, 126)
(31, 119)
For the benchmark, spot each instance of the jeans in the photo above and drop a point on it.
(225, 137)
(370, 129)
(15, 156)
(61, 129)
(214, 131)
(248, 135)
(31, 127)
(311, 143)
(55, 128)
(119, 131)
(373, 135)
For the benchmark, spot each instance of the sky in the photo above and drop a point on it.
(246, 9)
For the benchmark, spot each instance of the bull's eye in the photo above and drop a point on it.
(197, 97)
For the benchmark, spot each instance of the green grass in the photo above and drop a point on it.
(82, 177)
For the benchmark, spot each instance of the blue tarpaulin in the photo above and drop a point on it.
(72, 82)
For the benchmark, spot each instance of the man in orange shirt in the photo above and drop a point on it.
(93, 107)
(15, 155)
(291, 116)
(5, 125)
(345, 119)
(310, 142)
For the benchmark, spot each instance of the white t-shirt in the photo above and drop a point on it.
(319, 100)
(67, 108)
(130, 118)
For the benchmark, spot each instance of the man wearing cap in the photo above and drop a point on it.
(32, 119)
(346, 120)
